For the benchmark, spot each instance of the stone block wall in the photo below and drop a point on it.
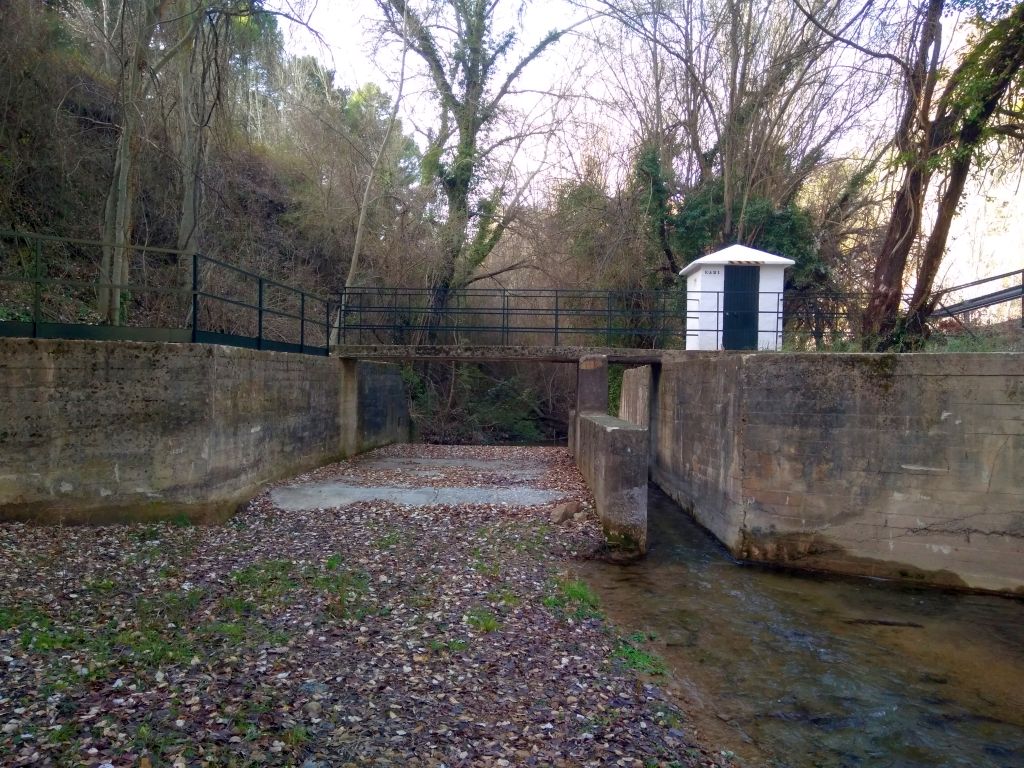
(93, 431)
(908, 466)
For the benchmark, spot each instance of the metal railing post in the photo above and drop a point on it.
(342, 320)
(608, 320)
(504, 317)
(259, 321)
(327, 326)
(37, 288)
(195, 297)
(302, 322)
(556, 317)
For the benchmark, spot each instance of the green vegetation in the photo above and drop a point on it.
(484, 404)
(388, 540)
(268, 578)
(574, 598)
(635, 657)
(615, 374)
(482, 620)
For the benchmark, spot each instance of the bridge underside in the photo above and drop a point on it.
(560, 354)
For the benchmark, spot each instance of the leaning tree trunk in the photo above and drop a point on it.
(887, 278)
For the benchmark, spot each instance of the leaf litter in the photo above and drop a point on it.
(376, 634)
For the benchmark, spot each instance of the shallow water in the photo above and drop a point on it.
(807, 671)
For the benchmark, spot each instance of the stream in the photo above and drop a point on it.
(809, 671)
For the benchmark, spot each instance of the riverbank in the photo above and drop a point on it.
(372, 634)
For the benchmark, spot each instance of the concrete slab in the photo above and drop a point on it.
(428, 465)
(297, 498)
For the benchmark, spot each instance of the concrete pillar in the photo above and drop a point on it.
(348, 410)
(592, 384)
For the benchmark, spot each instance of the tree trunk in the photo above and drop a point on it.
(887, 278)
(118, 212)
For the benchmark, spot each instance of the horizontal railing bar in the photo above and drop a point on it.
(13, 234)
(1014, 273)
(266, 280)
(87, 284)
(226, 300)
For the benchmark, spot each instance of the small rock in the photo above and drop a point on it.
(312, 708)
(579, 517)
(564, 511)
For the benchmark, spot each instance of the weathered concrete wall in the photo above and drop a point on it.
(379, 421)
(635, 396)
(612, 456)
(908, 466)
(121, 430)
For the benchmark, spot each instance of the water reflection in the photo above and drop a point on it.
(805, 671)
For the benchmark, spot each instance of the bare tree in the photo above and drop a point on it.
(747, 98)
(940, 137)
(463, 52)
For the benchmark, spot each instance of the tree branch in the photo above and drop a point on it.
(423, 43)
(856, 46)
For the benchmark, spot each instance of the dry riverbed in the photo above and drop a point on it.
(374, 633)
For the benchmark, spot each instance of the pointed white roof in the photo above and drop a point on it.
(737, 254)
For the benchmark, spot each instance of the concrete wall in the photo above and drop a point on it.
(908, 466)
(612, 456)
(635, 396)
(121, 430)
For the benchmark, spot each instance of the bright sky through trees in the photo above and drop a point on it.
(984, 241)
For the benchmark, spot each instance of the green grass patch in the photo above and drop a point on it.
(14, 616)
(534, 540)
(388, 540)
(482, 620)
(637, 658)
(153, 647)
(349, 592)
(269, 578)
(504, 597)
(447, 646)
(237, 606)
(575, 598)
(100, 586)
(296, 736)
(334, 562)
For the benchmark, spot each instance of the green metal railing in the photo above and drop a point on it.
(507, 316)
(49, 289)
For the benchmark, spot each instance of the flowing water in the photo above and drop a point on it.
(814, 672)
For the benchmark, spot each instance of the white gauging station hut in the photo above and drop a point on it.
(734, 299)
